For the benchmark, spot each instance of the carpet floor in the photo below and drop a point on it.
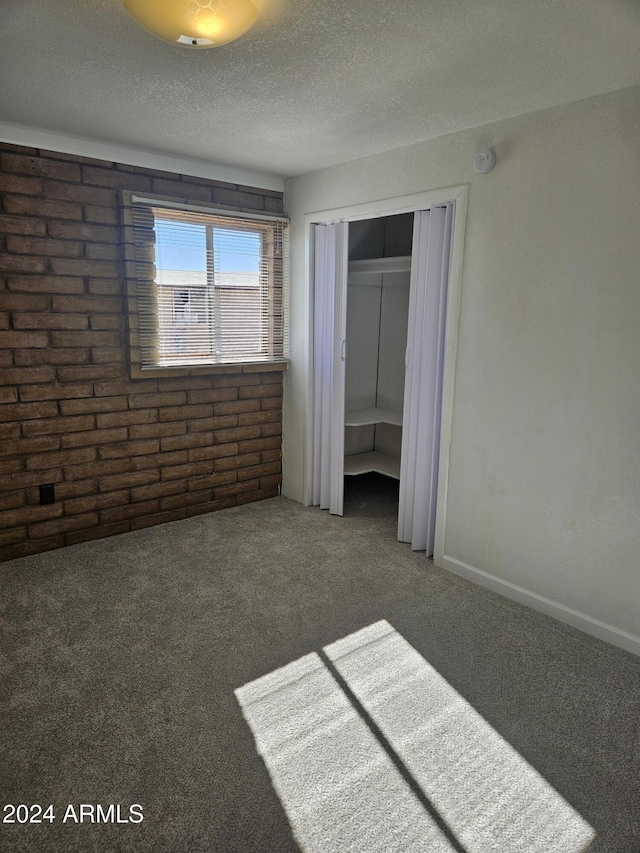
(119, 660)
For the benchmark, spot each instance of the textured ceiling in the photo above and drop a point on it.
(316, 82)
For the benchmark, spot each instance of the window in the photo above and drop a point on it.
(210, 288)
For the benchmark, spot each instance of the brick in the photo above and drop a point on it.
(49, 321)
(47, 284)
(235, 198)
(77, 192)
(23, 339)
(4, 321)
(99, 532)
(82, 231)
(20, 184)
(180, 413)
(211, 506)
(24, 480)
(54, 392)
(42, 207)
(8, 395)
(6, 358)
(260, 495)
(10, 537)
(273, 480)
(86, 304)
(155, 430)
(96, 469)
(23, 301)
(105, 287)
(31, 546)
(129, 448)
(271, 456)
(62, 525)
(126, 481)
(48, 426)
(40, 166)
(29, 357)
(105, 215)
(19, 375)
(269, 403)
(22, 263)
(232, 463)
(254, 391)
(44, 246)
(209, 424)
(157, 490)
(107, 355)
(93, 404)
(271, 429)
(182, 190)
(217, 451)
(112, 389)
(85, 339)
(26, 515)
(18, 149)
(60, 458)
(22, 225)
(160, 518)
(94, 437)
(269, 443)
(180, 383)
(105, 322)
(87, 372)
(25, 446)
(259, 471)
(268, 417)
(209, 481)
(185, 499)
(74, 158)
(170, 398)
(182, 442)
(114, 179)
(212, 395)
(102, 252)
(27, 411)
(9, 431)
(11, 500)
(236, 407)
(223, 436)
(92, 503)
(158, 460)
(129, 510)
(69, 266)
(120, 419)
(75, 489)
(189, 469)
(11, 466)
(236, 489)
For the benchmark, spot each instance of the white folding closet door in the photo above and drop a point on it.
(423, 379)
(331, 245)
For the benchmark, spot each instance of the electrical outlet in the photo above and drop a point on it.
(47, 494)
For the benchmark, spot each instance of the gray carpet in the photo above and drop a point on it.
(119, 661)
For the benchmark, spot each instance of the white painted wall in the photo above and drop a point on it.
(544, 480)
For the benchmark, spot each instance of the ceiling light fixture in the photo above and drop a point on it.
(194, 23)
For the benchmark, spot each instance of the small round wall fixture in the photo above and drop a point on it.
(484, 161)
(194, 23)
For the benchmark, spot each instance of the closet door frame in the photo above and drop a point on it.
(391, 207)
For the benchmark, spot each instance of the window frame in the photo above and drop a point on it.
(135, 285)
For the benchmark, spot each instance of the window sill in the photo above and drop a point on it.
(137, 372)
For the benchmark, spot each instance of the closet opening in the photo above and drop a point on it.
(385, 295)
(378, 279)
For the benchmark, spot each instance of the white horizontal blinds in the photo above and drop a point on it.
(211, 289)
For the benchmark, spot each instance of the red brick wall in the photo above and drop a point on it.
(122, 453)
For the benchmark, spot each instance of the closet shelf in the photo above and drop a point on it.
(373, 461)
(363, 417)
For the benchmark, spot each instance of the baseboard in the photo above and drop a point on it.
(588, 624)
